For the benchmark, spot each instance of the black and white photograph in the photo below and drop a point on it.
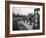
(26, 18)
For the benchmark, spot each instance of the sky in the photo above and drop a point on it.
(23, 10)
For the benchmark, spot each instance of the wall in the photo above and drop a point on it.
(2, 19)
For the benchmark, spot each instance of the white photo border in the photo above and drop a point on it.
(29, 31)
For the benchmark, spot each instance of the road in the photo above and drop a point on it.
(29, 27)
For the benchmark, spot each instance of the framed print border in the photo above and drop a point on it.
(7, 18)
